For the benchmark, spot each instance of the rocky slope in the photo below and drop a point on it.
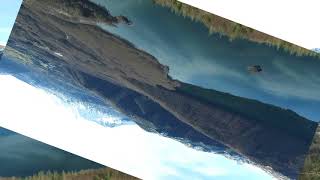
(56, 37)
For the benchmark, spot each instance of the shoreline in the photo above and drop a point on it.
(99, 173)
(233, 30)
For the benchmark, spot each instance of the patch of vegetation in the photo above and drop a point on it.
(232, 30)
(311, 169)
(99, 174)
(270, 115)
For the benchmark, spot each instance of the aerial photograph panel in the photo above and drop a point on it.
(175, 80)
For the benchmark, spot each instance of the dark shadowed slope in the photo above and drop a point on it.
(311, 168)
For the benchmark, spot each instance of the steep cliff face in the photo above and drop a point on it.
(44, 38)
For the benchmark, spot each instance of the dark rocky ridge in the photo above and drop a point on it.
(50, 41)
(148, 114)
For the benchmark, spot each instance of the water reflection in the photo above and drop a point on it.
(23, 156)
(214, 62)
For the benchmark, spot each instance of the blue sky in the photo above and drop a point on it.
(8, 12)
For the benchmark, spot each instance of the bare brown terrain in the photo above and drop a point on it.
(93, 49)
(51, 35)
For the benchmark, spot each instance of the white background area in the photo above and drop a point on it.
(295, 21)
